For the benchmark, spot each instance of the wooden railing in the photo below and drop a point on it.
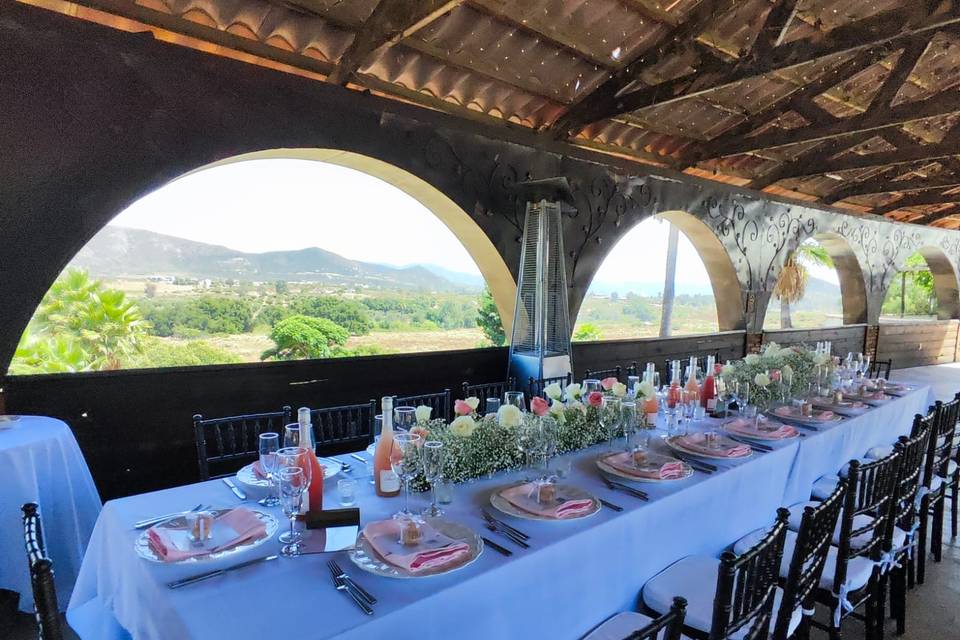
(918, 344)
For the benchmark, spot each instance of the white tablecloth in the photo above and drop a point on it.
(41, 462)
(575, 575)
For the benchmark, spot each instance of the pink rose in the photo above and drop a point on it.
(539, 406)
(607, 383)
(422, 432)
(461, 408)
(775, 375)
(595, 399)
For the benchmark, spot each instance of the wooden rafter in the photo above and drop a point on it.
(917, 200)
(884, 29)
(775, 26)
(584, 110)
(883, 184)
(391, 21)
(952, 210)
(652, 11)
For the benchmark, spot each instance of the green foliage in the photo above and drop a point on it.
(586, 332)
(488, 319)
(280, 286)
(206, 314)
(159, 353)
(919, 299)
(299, 337)
(80, 325)
(272, 314)
(349, 314)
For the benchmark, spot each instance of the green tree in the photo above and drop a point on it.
(587, 332)
(160, 353)
(281, 287)
(349, 314)
(792, 281)
(299, 337)
(488, 319)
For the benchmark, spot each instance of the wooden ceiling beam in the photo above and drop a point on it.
(884, 184)
(891, 29)
(917, 200)
(390, 22)
(952, 210)
(655, 13)
(583, 111)
(775, 27)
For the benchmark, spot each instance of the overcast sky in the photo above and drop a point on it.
(268, 205)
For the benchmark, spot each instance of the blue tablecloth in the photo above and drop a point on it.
(41, 462)
(575, 575)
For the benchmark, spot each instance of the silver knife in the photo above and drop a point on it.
(340, 585)
(233, 487)
(176, 584)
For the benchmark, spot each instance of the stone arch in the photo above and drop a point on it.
(945, 284)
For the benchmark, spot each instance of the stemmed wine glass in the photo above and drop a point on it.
(293, 486)
(291, 435)
(515, 398)
(405, 462)
(547, 444)
(269, 445)
(293, 458)
(404, 418)
(527, 441)
(743, 394)
(629, 422)
(433, 454)
(611, 415)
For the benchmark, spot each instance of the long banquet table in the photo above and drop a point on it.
(575, 575)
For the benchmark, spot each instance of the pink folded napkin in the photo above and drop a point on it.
(258, 471)
(232, 527)
(434, 549)
(794, 412)
(653, 467)
(767, 429)
(726, 447)
(524, 496)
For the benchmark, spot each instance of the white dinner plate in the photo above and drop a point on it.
(759, 437)
(606, 468)
(142, 544)
(869, 401)
(809, 420)
(845, 409)
(247, 477)
(678, 447)
(569, 492)
(365, 556)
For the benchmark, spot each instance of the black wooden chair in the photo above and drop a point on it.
(860, 542)
(600, 374)
(952, 478)
(440, 402)
(343, 429)
(939, 477)
(226, 444)
(631, 625)
(536, 386)
(486, 390)
(904, 522)
(732, 596)
(49, 624)
(880, 368)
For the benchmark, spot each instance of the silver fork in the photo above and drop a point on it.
(340, 585)
(340, 573)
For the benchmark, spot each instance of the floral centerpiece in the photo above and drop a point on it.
(775, 373)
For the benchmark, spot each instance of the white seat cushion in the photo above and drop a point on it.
(620, 626)
(695, 578)
(824, 487)
(951, 468)
(876, 453)
(899, 537)
(796, 515)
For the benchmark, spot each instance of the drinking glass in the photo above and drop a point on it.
(294, 457)
(590, 385)
(405, 462)
(433, 454)
(347, 491)
(377, 427)
(492, 405)
(547, 447)
(269, 445)
(691, 400)
(293, 485)
(632, 383)
(629, 422)
(405, 418)
(291, 435)
(516, 398)
(611, 415)
(527, 441)
(743, 393)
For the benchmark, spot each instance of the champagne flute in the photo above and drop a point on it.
(492, 405)
(516, 398)
(611, 415)
(629, 422)
(433, 455)
(291, 435)
(405, 462)
(269, 445)
(293, 486)
(294, 457)
(526, 441)
(548, 443)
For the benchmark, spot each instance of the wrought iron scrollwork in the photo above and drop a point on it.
(737, 228)
(780, 230)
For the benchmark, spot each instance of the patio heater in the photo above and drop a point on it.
(540, 341)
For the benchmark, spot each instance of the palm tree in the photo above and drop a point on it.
(792, 282)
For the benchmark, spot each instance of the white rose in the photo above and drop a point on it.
(646, 389)
(726, 370)
(553, 391)
(508, 416)
(473, 401)
(557, 411)
(423, 413)
(574, 391)
(752, 359)
(619, 389)
(761, 380)
(464, 426)
(576, 404)
(787, 373)
(772, 350)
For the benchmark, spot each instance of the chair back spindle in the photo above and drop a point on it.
(225, 444)
(41, 576)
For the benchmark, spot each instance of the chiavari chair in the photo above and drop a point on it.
(344, 428)
(228, 443)
(536, 386)
(49, 625)
(880, 368)
(485, 390)
(631, 625)
(440, 402)
(939, 476)
(601, 374)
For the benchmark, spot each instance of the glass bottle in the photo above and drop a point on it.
(315, 492)
(385, 479)
(675, 394)
(708, 394)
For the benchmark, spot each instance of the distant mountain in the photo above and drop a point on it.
(122, 252)
(472, 280)
(648, 288)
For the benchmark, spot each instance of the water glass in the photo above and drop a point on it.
(269, 445)
(405, 462)
(492, 405)
(295, 457)
(516, 398)
(293, 486)
(611, 416)
(444, 490)
(629, 422)
(676, 426)
(563, 466)
(590, 385)
(377, 427)
(291, 435)
(632, 383)
(347, 491)
(433, 455)
(405, 418)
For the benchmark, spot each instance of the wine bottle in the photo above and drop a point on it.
(650, 405)
(386, 481)
(314, 502)
(693, 384)
(675, 394)
(708, 394)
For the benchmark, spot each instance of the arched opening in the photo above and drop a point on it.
(283, 254)
(821, 285)
(668, 275)
(924, 287)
